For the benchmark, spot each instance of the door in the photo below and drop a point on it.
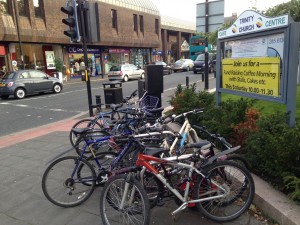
(41, 82)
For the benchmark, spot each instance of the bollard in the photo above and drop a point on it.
(215, 73)
(202, 77)
(187, 81)
(98, 99)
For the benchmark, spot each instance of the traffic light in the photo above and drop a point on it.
(72, 21)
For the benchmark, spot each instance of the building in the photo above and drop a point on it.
(130, 32)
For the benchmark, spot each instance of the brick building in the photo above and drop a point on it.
(130, 32)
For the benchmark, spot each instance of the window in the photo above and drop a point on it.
(38, 8)
(4, 7)
(142, 24)
(24, 75)
(114, 19)
(22, 7)
(37, 74)
(157, 26)
(135, 25)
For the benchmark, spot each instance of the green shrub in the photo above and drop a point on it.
(274, 149)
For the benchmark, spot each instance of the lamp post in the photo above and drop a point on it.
(18, 31)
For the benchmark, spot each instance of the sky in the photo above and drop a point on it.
(186, 9)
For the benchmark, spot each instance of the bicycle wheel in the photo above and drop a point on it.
(64, 186)
(236, 184)
(239, 159)
(102, 170)
(153, 187)
(82, 124)
(135, 210)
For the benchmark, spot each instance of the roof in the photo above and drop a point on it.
(146, 6)
(167, 21)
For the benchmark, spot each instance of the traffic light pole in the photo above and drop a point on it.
(82, 8)
(206, 47)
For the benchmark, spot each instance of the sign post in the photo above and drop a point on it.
(258, 58)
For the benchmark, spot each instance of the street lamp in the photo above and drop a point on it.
(18, 31)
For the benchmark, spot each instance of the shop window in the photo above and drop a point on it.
(22, 7)
(157, 26)
(141, 24)
(38, 8)
(114, 19)
(135, 25)
(5, 6)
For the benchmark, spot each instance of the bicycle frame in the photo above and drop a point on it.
(146, 161)
(184, 131)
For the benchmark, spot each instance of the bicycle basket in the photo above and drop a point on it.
(149, 102)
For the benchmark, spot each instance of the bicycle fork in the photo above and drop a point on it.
(126, 190)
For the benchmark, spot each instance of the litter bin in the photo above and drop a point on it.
(113, 93)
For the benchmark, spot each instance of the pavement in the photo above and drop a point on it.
(24, 157)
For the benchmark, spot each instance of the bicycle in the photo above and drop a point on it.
(209, 186)
(71, 180)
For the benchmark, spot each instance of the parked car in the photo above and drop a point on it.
(25, 82)
(183, 65)
(125, 72)
(199, 63)
(166, 68)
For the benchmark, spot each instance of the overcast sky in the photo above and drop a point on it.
(186, 9)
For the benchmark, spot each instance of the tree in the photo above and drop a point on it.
(292, 8)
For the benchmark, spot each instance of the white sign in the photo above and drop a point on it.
(251, 21)
(266, 46)
(14, 63)
(50, 60)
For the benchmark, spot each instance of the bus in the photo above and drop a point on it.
(197, 46)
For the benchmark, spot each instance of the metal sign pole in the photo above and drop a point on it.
(206, 86)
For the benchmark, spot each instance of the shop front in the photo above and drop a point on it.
(3, 61)
(114, 56)
(77, 63)
(35, 56)
(140, 56)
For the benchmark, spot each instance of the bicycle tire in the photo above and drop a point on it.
(239, 186)
(239, 159)
(70, 191)
(82, 124)
(136, 212)
(153, 187)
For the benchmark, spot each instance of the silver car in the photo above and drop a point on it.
(183, 65)
(125, 72)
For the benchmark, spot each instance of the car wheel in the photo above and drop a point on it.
(56, 88)
(4, 96)
(20, 93)
(142, 76)
(188, 69)
(170, 71)
(125, 78)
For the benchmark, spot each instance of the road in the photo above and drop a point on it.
(33, 111)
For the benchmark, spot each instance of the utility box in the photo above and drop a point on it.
(113, 93)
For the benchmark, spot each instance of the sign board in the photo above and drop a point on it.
(50, 60)
(257, 57)
(250, 21)
(215, 15)
(252, 75)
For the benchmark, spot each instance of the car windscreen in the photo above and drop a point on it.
(115, 68)
(200, 57)
(9, 75)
